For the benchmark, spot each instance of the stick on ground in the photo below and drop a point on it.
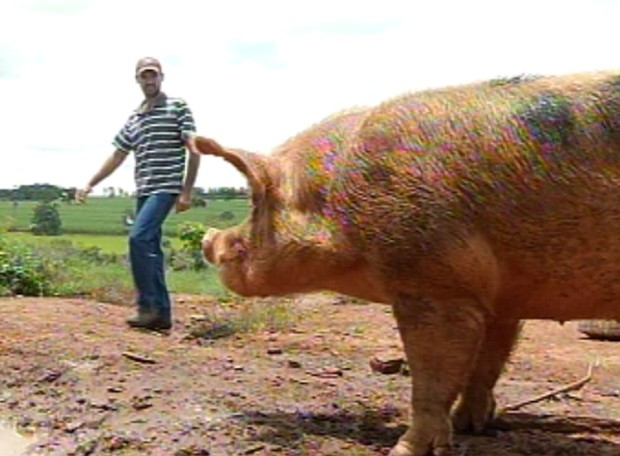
(562, 389)
(138, 358)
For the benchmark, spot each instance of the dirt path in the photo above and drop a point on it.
(68, 372)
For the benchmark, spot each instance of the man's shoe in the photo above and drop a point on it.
(152, 321)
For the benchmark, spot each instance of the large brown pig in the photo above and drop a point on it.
(467, 209)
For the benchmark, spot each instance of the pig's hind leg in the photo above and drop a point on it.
(476, 406)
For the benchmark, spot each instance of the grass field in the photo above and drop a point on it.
(105, 216)
(100, 223)
(116, 243)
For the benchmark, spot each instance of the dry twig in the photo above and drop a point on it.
(562, 389)
(138, 358)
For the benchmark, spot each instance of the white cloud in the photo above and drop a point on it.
(256, 73)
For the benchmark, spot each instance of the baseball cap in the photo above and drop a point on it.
(148, 63)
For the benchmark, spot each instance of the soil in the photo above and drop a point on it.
(84, 384)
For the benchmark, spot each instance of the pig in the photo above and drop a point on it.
(468, 209)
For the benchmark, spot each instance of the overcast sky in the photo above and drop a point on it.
(256, 72)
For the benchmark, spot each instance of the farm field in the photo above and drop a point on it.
(99, 224)
(107, 243)
(102, 215)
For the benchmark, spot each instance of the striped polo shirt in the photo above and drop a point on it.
(157, 137)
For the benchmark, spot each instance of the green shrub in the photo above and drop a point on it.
(190, 255)
(46, 220)
(22, 272)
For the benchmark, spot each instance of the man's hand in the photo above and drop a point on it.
(80, 195)
(183, 202)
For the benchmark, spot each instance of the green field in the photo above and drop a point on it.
(105, 216)
(100, 223)
(108, 243)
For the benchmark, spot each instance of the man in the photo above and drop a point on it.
(157, 132)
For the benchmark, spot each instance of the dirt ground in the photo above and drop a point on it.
(85, 385)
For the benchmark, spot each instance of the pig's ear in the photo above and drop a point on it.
(248, 163)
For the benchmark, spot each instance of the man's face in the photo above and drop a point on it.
(150, 82)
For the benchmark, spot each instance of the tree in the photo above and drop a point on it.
(46, 220)
(37, 192)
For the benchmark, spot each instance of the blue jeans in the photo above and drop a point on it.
(146, 255)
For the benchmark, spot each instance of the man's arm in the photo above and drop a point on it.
(188, 131)
(193, 163)
(109, 166)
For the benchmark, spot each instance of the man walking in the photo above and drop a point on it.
(158, 132)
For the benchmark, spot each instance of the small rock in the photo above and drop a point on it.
(50, 376)
(294, 364)
(611, 393)
(141, 402)
(274, 351)
(328, 372)
(387, 365)
(102, 404)
(73, 426)
(192, 451)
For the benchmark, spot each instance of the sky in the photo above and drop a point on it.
(256, 72)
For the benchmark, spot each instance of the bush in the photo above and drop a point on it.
(226, 216)
(46, 220)
(190, 256)
(96, 255)
(22, 272)
(62, 269)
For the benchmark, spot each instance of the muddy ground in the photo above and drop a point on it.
(85, 385)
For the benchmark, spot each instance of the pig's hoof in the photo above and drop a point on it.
(402, 449)
(474, 415)
(405, 449)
